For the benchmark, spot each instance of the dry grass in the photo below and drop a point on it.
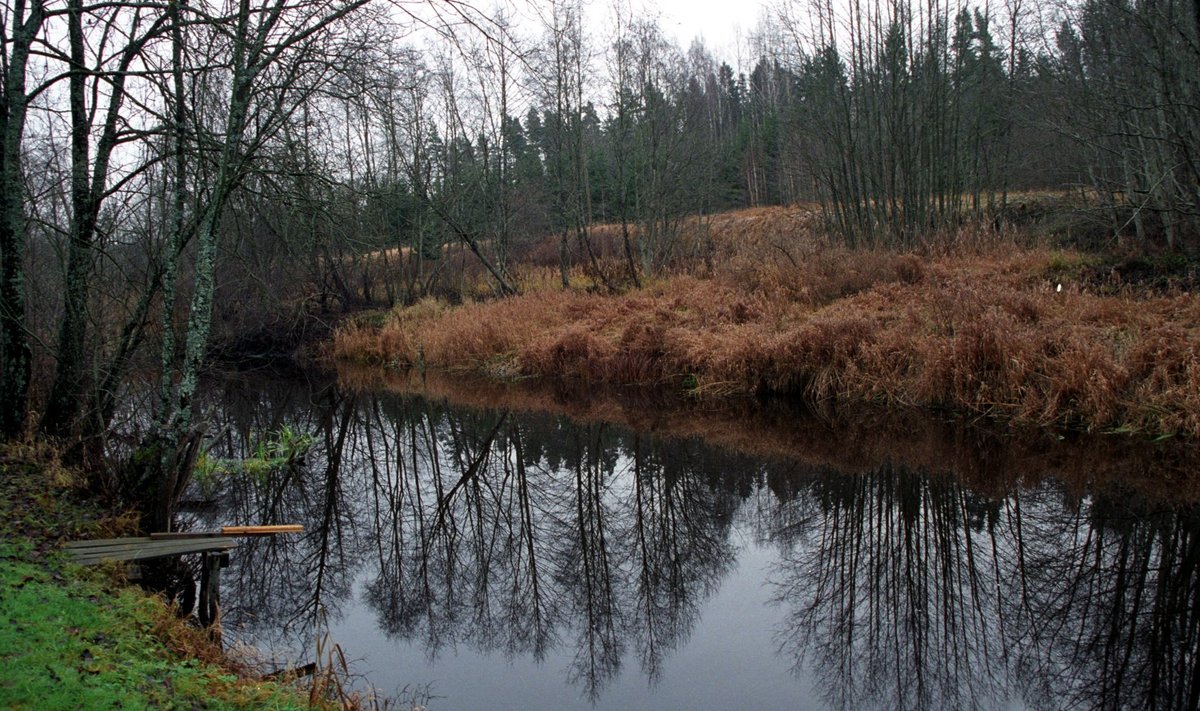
(979, 327)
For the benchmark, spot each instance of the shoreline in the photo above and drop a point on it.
(1017, 335)
(84, 637)
(777, 428)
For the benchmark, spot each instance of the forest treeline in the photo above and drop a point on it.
(174, 174)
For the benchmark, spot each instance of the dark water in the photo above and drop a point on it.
(503, 559)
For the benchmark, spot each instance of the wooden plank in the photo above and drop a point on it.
(91, 559)
(141, 549)
(100, 542)
(85, 546)
(262, 530)
(231, 531)
(113, 551)
(151, 545)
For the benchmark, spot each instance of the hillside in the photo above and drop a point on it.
(1001, 323)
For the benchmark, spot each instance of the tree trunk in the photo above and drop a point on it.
(15, 356)
(89, 180)
(67, 391)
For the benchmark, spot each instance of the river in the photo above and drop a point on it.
(495, 547)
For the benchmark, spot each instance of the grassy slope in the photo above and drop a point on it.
(981, 328)
(72, 638)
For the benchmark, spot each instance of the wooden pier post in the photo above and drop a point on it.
(210, 587)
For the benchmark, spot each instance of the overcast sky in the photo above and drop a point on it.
(717, 21)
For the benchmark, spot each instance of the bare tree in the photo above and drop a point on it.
(90, 178)
(20, 26)
(276, 54)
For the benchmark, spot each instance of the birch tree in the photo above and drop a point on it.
(277, 54)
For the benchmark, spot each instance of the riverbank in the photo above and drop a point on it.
(988, 326)
(75, 638)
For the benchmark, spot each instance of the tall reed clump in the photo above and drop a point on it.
(1049, 358)
(384, 338)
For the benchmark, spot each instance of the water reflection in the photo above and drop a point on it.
(905, 590)
(513, 535)
(1112, 599)
(893, 584)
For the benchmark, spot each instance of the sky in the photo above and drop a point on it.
(717, 21)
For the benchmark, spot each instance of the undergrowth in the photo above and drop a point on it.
(274, 451)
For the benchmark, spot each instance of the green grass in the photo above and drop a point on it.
(275, 451)
(72, 638)
(68, 644)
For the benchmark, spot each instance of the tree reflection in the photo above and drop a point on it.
(289, 582)
(907, 591)
(1114, 605)
(680, 545)
(890, 584)
(523, 535)
(515, 536)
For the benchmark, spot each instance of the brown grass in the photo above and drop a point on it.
(979, 327)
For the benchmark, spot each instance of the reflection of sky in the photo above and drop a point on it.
(728, 661)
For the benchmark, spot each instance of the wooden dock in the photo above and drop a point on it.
(145, 548)
(213, 547)
(214, 552)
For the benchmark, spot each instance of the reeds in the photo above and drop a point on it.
(986, 330)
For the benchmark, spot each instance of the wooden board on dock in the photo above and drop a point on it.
(262, 530)
(144, 547)
(230, 531)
